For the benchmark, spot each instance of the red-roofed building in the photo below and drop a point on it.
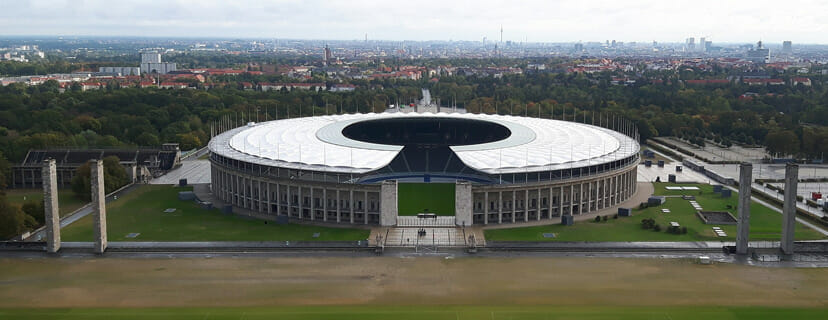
(174, 85)
(759, 82)
(804, 81)
(91, 85)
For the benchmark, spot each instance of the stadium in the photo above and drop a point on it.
(375, 168)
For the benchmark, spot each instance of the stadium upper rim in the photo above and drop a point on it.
(317, 144)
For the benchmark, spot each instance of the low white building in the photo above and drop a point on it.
(124, 71)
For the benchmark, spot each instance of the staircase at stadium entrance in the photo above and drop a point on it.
(426, 233)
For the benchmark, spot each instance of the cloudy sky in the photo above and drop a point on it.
(802, 21)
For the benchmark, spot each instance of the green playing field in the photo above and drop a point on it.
(417, 198)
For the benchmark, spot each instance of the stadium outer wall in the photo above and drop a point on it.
(261, 193)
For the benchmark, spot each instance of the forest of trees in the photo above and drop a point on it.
(789, 121)
(30, 215)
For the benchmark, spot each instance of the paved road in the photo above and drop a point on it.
(684, 250)
(195, 171)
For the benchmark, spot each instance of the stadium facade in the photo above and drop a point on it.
(346, 168)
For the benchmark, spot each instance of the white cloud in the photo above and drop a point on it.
(548, 21)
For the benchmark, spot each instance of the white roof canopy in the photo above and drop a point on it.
(317, 143)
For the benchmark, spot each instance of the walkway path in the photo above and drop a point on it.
(759, 188)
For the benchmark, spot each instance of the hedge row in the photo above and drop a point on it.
(665, 151)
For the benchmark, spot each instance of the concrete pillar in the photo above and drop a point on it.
(462, 203)
(289, 200)
(589, 196)
(514, 205)
(606, 192)
(388, 203)
(500, 207)
(560, 201)
(99, 205)
(278, 201)
(269, 199)
(351, 205)
(260, 202)
(743, 226)
(325, 204)
(312, 204)
(789, 208)
(301, 200)
(526, 205)
(50, 205)
(486, 207)
(538, 206)
(365, 207)
(338, 207)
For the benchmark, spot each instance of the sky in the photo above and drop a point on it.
(722, 21)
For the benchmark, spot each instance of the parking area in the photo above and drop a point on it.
(715, 153)
(195, 171)
(649, 174)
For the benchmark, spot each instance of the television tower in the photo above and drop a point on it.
(501, 33)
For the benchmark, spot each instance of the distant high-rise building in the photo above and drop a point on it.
(151, 63)
(579, 47)
(787, 47)
(613, 43)
(701, 45)
(328, 55)
(690, 44)
(150, 57)
(760, 54)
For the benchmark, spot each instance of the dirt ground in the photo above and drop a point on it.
(120, 282)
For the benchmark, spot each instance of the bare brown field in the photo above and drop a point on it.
(218, 282)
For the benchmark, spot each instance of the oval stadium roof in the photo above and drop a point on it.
(317, 143)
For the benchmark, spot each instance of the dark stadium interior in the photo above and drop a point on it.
(426, 140)
(426, 131)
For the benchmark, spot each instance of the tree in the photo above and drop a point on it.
(188, 141)
(4, 173)
(12, 219)
(147, 139)
(115, 176)
(783, 142)
(36, 210)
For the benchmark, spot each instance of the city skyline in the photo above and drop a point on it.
(800, 21)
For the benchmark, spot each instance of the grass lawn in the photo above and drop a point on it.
(66, 199)
(423, 312)
(417, 198)
(765, 224)
(142, 211)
